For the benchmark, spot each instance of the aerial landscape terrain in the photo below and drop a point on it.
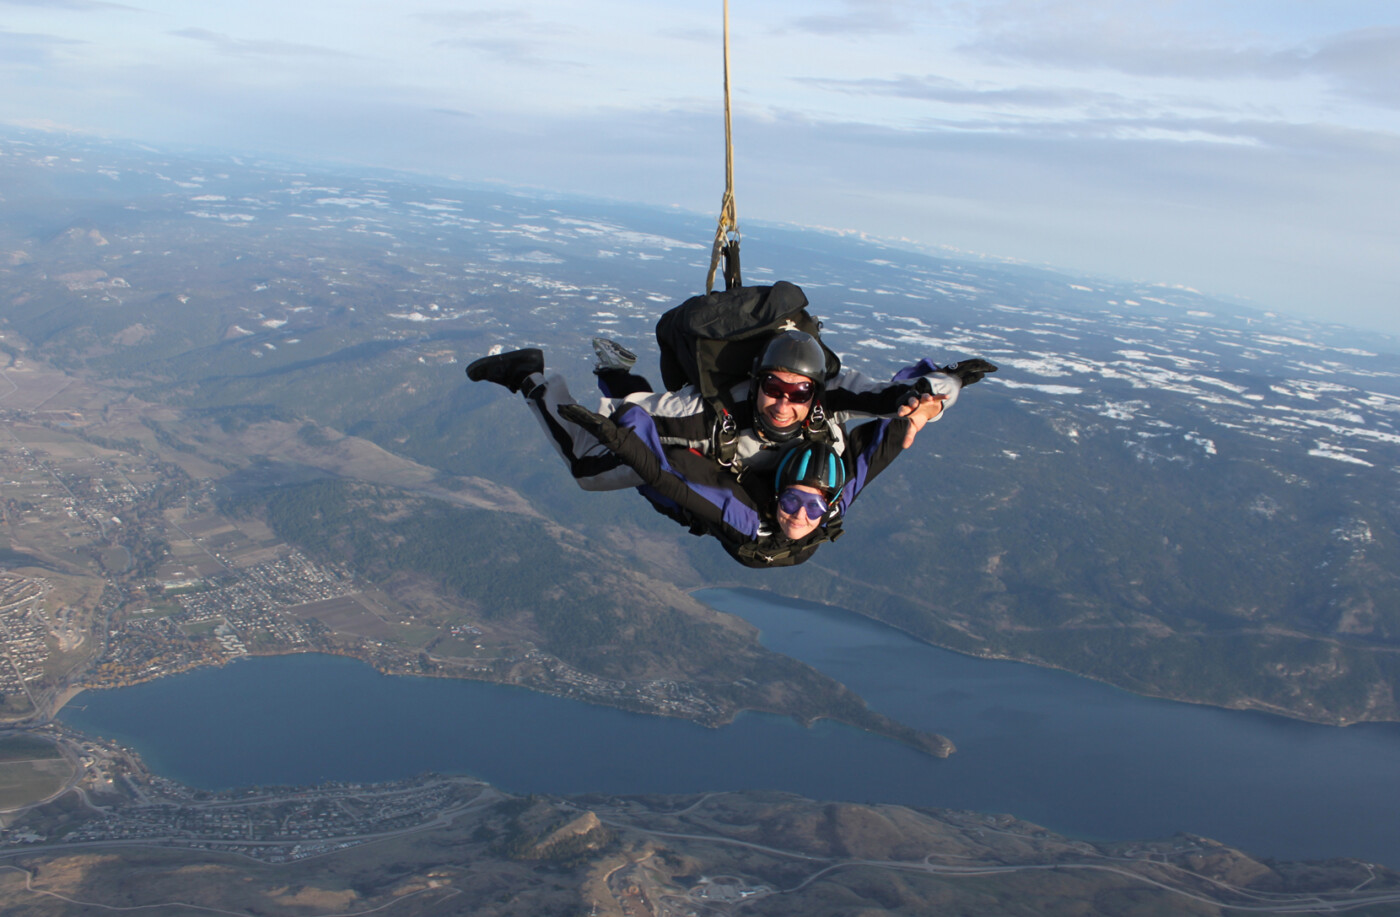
(234, 423)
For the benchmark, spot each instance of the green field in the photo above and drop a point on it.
(31, 769)
(27, 748)
(156, 610)
(15, 706)
(414, 635)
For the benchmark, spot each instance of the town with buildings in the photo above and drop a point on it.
(125, 570)
(128, 804)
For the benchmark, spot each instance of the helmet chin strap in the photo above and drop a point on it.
(776, 434)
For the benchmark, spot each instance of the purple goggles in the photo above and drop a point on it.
(793, 501)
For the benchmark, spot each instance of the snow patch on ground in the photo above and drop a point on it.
(1125, 410)
(1207, 445)
(224, 217)
(1327, 450)
(1047, 389)
(352, 203)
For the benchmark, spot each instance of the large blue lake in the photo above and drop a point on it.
(1073, 755)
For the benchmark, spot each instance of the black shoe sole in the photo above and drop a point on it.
(509, 369)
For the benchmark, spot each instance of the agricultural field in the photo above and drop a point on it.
(31, 770)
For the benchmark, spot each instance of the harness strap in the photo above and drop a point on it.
(754, 551)
(818, 427)
(724, 441)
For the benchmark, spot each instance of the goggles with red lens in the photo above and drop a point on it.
(792, 501)
(796, 392)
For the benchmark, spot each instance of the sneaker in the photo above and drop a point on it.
(510, 369)
(612, 355)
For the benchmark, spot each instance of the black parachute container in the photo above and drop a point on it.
(714, 339)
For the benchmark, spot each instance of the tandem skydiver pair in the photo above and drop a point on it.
(764, 441)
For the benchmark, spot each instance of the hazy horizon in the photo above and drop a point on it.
(1245, 151)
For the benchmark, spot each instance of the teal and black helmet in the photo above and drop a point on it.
(814, 464)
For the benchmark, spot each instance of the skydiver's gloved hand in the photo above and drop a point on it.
(970, 371)
(601, 427)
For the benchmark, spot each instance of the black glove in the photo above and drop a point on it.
(601, 427)
(969, 371)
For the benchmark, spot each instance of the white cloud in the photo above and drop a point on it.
(242, 47)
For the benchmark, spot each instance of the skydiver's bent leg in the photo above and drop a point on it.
(594, 468)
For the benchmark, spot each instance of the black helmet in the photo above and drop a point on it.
(814, 464)
(794, 352)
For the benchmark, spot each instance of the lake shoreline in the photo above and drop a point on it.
(1246, 705)
(1080, 758)
(932, 744)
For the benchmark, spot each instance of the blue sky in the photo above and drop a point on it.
(1243, 148)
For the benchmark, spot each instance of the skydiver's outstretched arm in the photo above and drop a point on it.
(920, 410)
(924, 402)
(854, 396)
